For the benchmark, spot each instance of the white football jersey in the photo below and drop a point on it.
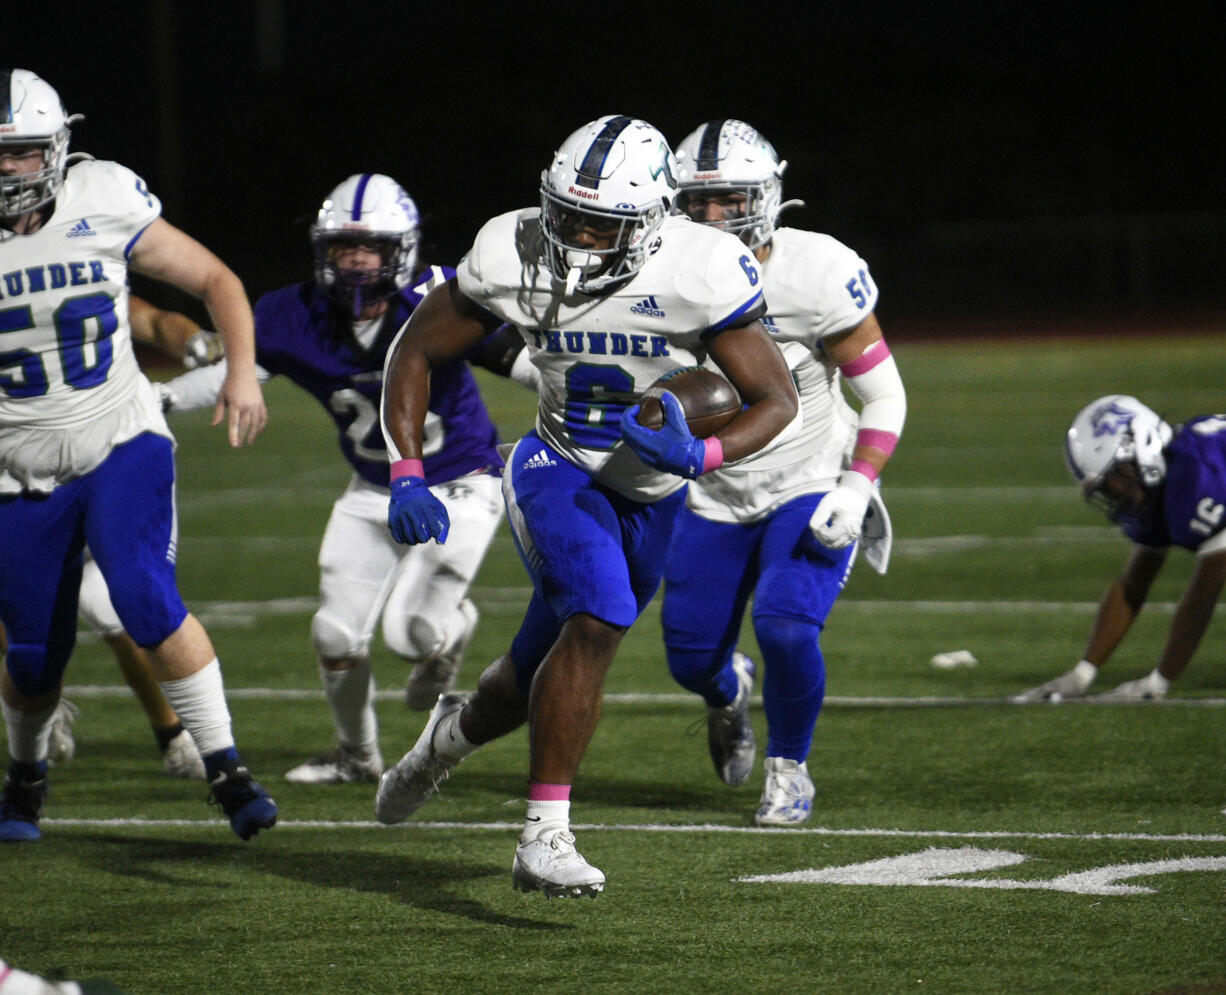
(815, 286)
(595, 355)
(69, 380)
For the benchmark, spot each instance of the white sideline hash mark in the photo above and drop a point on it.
(933, 866)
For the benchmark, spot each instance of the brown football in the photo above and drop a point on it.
(708, 400)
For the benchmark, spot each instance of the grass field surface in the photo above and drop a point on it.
(959, 843)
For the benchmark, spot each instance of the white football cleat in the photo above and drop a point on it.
(1056, 690)
(182, 759)
(62, 747)
(551, 864)
(408, 785)
(787, 796)
(430, 678)
(730, 737)
(343, 765)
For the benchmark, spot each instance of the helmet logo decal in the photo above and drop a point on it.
(661, 166)
(592, 166)
(1112, 420)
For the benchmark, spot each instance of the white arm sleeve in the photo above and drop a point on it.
(884, 398)
(199, 388)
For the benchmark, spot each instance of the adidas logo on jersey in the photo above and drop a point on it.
(81, 228)
(649, 307)
(538, 460)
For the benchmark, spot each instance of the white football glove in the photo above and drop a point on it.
(839, 517)
(1151, 687)
(202, 349)
(1071, 684)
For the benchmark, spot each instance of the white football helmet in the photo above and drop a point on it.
(31, 114)
(613, 179)
(373, 210)
(1114, 450)
(729, 156)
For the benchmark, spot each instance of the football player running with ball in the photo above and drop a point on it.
(1164, 486)
(783, 525)
(85, 452)
(609, 292)
(331, 336)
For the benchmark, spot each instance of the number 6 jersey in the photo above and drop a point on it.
(597, 354)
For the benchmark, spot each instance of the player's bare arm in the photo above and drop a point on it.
(168, 331)
(1122, 602)
(166, 253)
(754, 365)
(443, 327)
(173, 333)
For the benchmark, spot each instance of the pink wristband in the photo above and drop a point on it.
(408, 468)
(875, 437)
(865, 468)
(877, 353)
(712, 454)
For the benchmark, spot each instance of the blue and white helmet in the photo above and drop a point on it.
(373, 210)
(615, 175)
(1114, 444)
(729, 156)
(31, 114)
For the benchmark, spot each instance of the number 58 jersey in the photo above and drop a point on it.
(596, 355)
(66, 358)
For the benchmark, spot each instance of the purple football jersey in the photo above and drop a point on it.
(300, 334)
(1193, 506)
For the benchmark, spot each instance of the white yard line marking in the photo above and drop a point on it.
(678, 698)
(936, 866)
(494, 596)
(666, 828)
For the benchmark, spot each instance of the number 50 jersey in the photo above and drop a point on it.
(66, 359)
(597, 354)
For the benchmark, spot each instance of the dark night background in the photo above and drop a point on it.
(1000, 162)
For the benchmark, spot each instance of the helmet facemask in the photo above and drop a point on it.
(356, 288)
(753, 223)
(592, 249)
(1120, 491)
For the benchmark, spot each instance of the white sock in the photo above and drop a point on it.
(449, 741)
(545, 818)
(29, 732)
(1157, 683)
(1084, 673)
(351, 696)
(200, 703)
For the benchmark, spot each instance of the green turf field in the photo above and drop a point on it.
(1071, 848)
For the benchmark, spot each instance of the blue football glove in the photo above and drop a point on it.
(415, 515)
(672, 447)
